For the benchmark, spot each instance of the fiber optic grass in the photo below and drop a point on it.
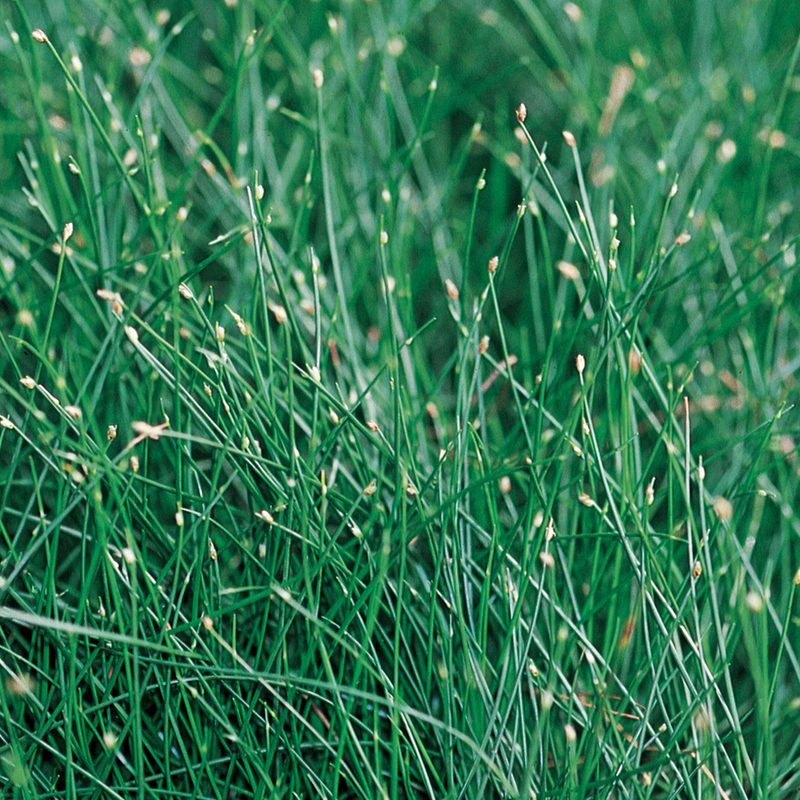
(363, 437)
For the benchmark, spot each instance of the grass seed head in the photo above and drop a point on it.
(20, 684)
(723, 508)
(754, 601)
(569, 271)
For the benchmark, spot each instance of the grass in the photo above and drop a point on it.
(304, 493)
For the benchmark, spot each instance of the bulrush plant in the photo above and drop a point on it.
(362, 435)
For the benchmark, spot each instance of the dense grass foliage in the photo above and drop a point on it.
(365, 433)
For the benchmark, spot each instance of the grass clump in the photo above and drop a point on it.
(363, 437)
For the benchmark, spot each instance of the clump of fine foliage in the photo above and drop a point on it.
(361, 436)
